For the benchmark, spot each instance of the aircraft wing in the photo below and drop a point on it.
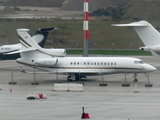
(31, 72)
(20, 51)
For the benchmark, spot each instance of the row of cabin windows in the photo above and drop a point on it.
(93, 63)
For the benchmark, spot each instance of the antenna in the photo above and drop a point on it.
(85, 29)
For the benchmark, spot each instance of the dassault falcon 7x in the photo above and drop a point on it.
(75, 67)
(40, 37)
(148, 34)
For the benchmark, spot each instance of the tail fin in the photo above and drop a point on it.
(41, 35)
(147, 33)
(29, 44)
(26, 40)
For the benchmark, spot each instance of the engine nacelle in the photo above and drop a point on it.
(144, 48)
(49, 62)
(55, 52)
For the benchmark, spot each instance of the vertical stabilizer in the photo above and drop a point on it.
(26, 40)
(41, 35)
(147, 33)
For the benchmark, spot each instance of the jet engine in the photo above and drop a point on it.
(144, 48)
(56, 52)
(49, 62)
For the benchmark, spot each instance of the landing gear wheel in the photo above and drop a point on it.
(135, 80)
(68, 78)
(77, 77)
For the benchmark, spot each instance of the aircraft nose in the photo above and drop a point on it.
(150, 67)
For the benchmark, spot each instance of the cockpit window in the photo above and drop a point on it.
(141, 62)
(136, 62)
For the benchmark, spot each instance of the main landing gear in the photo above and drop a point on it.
(76, 77)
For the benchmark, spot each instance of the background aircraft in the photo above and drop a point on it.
(148, 34)
(75, 67)
(40, 37)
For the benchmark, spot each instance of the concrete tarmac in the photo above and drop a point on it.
(111, 102)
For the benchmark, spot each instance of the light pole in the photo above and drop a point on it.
(112, 46)
(130, 46)
(59, 44)
(76, 45)
(94, 45)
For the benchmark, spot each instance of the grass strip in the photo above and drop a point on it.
(111, 52)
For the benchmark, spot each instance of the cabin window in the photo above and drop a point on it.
(98, 63)
(111, 63)
(77, 63)
(32, 60)
(84, 63)
(101, 63)
(108, 63)
(115, 63)
(88, 63)
(105, 63)
(74, 63)
(91, 63)
(71, 63)
(95, 63)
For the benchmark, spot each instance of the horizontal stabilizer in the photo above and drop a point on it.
(20, 51)
(46, 29)
(140, 24)
(34, 72)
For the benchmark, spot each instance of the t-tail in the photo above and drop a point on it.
(147, 33)
(29, 44)
(41, 35)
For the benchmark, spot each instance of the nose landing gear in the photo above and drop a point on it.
(135, 77)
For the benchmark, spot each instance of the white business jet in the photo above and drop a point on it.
(40, 37)
(75, 67)
(148, 34)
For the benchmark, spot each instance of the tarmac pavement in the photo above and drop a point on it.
(111, 102)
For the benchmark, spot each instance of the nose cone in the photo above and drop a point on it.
(149, 68)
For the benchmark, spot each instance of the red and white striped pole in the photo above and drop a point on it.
(85, 29)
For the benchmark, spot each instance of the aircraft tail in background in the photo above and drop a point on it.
(147, 33)
(41, 35)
